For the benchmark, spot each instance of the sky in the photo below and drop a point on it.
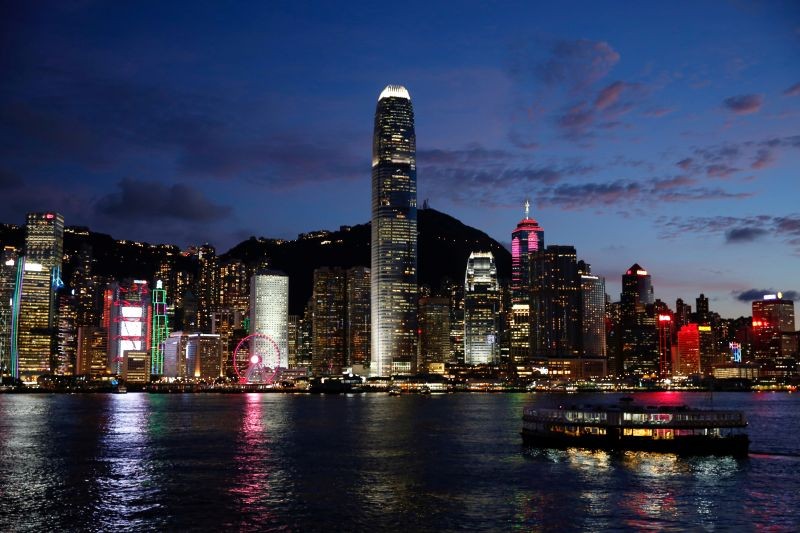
(660, 133)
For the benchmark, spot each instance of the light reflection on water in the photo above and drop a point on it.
(362, 463)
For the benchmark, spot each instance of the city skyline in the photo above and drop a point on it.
(635, 145)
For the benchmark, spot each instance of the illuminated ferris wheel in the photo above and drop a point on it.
(262, 357)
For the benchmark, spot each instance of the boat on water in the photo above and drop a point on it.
(671, 429)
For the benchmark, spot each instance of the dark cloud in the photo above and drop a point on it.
(575, 196)
(764, 158)
(685, 164)
(142, 200)
(736, 235)
(794, 90)
(577, 64)
(674, 182)
(720, 171)
(738, 229)
(750, 295)
(744, 104)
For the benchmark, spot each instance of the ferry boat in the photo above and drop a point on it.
(672, 429)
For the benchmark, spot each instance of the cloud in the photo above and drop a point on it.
(735, 235)
(744, 104)
(659, 112)
(143, 200)
(794, 90)
(609, 95)
(720, 171)
(738, 229)
(764, 158)
(577, 64)
(750, 295)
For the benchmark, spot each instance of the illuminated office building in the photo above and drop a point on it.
(8, 275)
(639, 332)
(689, 349)
(203, 357)
(394, 235)
(128, 305)
(773, 328)
(34, 339)
(556, 301)
(358, 316)
(527, 238)
(207, 286)
(92, 357)
(593, 316)
(434, 332)
(481, 310)
(330, 315)
(269, 314)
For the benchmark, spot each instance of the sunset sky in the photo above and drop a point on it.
(666, 134)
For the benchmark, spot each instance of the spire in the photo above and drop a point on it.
(527, 208)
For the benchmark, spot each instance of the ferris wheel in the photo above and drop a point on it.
(262, 357)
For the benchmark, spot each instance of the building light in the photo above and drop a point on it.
(704, 328)
(770, 296)
(641, 272)
(664, 318)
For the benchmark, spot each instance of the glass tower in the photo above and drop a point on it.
(481, 309)
(394, 235)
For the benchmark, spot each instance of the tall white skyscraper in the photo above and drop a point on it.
(269, 315)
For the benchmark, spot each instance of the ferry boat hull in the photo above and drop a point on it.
(669, 429)
(736, 445)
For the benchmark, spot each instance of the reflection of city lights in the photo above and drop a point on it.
(254, 359)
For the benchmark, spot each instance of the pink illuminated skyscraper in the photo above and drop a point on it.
(526, 238)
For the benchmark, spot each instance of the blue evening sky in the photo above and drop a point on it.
(663, 133)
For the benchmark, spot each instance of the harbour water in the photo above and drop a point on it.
(372, 462)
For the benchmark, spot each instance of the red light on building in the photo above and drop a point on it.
(664, 318)
(49, 216)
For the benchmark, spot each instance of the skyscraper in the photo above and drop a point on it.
(128, 321)
(556, 302)
(773, 328)
(269, 315)
(481, 310)
(330, 317)
(39, 277)
(527, 238)
(358, 321)
(638, 323)
(434, 332)
(394, 235)
(593, 316)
